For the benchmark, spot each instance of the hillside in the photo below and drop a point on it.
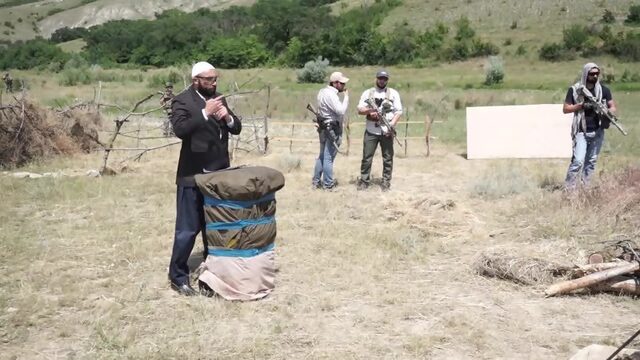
(532, 22)
(44, 17)
(497, 20)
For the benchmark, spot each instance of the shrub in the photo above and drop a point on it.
(67, 34)
(627, 76)
(236, 52)
(575, 37)
(494, 71)
(552, 52)
(625, 46)
(458, 51)
(73, 77)
(634, 15)
(160, 79)
(481, 48)
(464, 30)
(314, 71)
(521, 50)
(76, 62)
(608, 17)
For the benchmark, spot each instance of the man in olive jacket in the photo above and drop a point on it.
(201, 118)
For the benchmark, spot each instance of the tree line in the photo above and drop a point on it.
(276, 33)
(270, 32)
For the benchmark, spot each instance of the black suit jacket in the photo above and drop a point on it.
(205, 143)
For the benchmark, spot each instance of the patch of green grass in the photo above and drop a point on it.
(73, 46)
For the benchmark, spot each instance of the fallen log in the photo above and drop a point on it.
(592, 279)
(620, 285)
(583, 270)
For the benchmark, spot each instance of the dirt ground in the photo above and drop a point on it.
(362, 274)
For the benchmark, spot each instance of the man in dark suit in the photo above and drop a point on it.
(201, 118)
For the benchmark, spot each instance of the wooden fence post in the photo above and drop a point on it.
(266, 120)
(428, 122)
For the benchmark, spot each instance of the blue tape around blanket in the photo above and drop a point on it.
(240, 224)
(244, 253)
(238, 204)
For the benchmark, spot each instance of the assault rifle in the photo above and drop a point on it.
(385, 126)
(601, 109)
(325, 125)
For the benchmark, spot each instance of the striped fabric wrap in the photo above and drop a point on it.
(240, 207)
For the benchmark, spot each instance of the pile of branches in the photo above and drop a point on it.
(29, 132)
(520, 270)
(615, 269)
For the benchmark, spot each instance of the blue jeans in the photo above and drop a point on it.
(586, 148)
(323, 171)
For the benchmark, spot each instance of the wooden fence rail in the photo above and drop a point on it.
(297, 124)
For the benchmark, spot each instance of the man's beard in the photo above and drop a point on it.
(208, 92)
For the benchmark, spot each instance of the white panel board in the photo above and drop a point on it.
(518, 131)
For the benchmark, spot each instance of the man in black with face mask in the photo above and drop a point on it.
(201, 118)
(587, 129)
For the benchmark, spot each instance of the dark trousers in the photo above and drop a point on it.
(370, 143)
(189, 222)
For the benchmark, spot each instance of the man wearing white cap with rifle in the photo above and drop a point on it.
(201, 118)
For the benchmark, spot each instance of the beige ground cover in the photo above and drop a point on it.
(361, 274)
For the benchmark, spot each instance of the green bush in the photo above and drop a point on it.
(608, 17)
(521, 50)
(73, 77)
(67, 34)
(314, 71)
(160, 79)
(624, 46)
(31, 54)
(575, 37)
(483, 48)
(458, 51)
(627, 76)
(293, 54)
(464, 30)
(236, 52)
(494, 71)
(552, 52)
(633, 18)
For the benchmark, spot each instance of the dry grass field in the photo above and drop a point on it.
(362, 275)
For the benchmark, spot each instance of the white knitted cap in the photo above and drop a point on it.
(201, 67)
